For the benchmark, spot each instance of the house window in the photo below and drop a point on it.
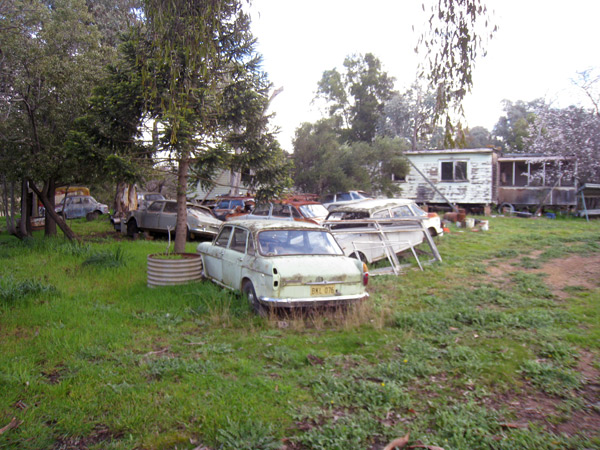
(454, 171)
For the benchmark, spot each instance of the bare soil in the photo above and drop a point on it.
(530, 405)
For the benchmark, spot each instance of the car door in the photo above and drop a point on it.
(233, 258)
(168, 219)
(213, 258)
(149, 218)
(87, 205)
(74, 209)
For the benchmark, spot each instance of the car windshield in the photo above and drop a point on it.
(297, 242)
(418, 211)
(223, 204)
(198, 212)
(316, 210)
(153, 197)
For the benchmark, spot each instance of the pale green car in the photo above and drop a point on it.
(283, 264)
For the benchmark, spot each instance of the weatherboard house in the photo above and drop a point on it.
(482, 177)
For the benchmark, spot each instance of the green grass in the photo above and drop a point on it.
(90, 357)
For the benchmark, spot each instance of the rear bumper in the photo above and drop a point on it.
(312, 301)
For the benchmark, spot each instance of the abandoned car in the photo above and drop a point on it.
(75, 206)
(145, 199)
(283, 264)
(330, 201)
(161, 217)
(233, 205)
(298, 210)
(366, 229)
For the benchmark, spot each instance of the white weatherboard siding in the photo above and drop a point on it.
(476, 189)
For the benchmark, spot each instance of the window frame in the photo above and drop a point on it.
(454, 163)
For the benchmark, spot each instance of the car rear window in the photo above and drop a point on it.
(297, 242)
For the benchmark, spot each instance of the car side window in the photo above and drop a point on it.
(250, 250)
(262, 210)
(402, 211)
(238, 240)
(280, 210)
(344, 197)
(155, 207)
(223, 237)
(383, 214)
(295, 213)
(170, 208)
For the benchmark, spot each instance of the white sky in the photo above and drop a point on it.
(538, 49)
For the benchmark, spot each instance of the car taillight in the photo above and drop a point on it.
(365, 274)
(432, 214)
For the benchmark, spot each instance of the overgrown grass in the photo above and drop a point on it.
(90, 357)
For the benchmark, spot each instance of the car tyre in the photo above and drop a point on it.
(132, 229)
(360, 256)
(249, 292)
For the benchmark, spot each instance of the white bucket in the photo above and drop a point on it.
(470, 222)
(485, 225)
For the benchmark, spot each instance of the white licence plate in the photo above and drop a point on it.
(322, 290)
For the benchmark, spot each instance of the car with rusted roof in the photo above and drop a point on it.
(299, 208)
(281, 264)
(226, 206)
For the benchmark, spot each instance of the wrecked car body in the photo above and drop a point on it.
(283, 264)
(161, 217)
(372, 229)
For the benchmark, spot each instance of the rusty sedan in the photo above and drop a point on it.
(283, 264)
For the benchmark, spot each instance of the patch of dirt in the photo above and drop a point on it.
(574, 271)
(100, 433)
(532, 406)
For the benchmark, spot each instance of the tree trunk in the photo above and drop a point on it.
(125, 199)
(49, 223)
(9, 212)
(182, 172)
(22, 233)
(69, 234)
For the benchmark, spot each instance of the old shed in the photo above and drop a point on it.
(460, 176)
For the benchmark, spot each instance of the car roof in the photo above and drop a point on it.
(260, 225)
(372, 205)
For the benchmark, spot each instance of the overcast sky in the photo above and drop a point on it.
(539, 47)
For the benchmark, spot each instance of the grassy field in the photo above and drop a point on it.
(497, 347)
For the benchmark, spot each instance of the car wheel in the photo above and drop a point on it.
(249, 292)
(360, 256)
(132, 229)
(92, 215)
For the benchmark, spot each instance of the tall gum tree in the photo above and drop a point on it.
(51, 58)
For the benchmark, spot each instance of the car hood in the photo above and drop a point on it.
(315, 269)
(205, 220)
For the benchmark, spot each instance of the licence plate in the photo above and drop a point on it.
(322, 290)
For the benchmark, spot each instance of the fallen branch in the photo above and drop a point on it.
(14, 423)
(398, 443)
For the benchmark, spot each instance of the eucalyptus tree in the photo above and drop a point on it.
(512, 129)
(407, 116)
(357, 95)
(457, 34)
(51, 58)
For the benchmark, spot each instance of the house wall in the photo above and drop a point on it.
(222, 187)
(477, 189)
